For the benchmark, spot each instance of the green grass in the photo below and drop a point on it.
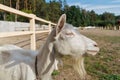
(110, 77)
(55, 72)
(106, 64)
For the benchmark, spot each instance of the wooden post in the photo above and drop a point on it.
(50, 28)
(115, 28)
(33, 36)
(102, 28)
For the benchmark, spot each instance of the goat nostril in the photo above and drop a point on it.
(95, 45)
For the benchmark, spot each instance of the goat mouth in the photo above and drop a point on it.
(92, 51)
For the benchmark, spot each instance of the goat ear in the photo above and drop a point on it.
(61, 23)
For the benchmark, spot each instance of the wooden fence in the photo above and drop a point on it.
(32, 31)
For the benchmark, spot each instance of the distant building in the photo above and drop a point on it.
(89, 27)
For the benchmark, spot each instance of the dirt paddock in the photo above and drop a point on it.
(24, 41)
(104, 66)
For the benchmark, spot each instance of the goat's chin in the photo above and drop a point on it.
(78, 65)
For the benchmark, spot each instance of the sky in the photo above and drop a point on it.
(99, 6)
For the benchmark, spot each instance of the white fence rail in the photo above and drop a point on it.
(32, 31)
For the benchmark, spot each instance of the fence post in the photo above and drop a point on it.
(115, 28)
(50, 27)
(33, 36)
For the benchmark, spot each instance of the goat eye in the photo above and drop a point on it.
(95, 45)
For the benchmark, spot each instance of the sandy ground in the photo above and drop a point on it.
(99, 32)
(24, 41)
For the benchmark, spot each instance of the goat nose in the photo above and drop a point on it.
(95, 45)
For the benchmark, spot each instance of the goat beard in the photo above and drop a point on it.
(78, 65)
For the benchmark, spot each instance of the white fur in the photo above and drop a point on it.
(20, 63)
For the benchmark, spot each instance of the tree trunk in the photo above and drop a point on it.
(17, 7)
(25, 4)
(10, 3)
(4, 13)
(34, 5)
